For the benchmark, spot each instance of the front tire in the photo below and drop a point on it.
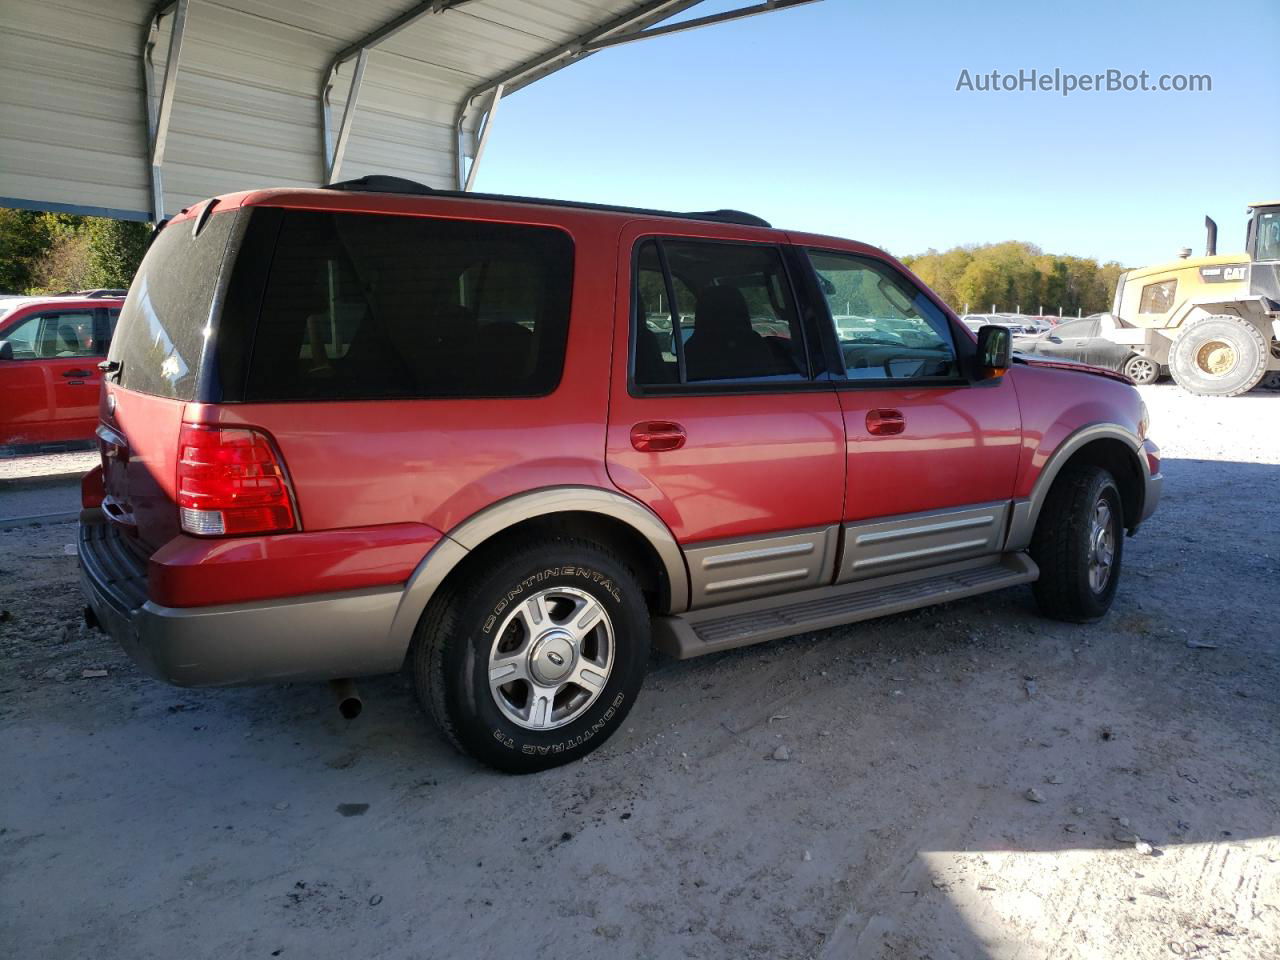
(1219, 356)
(1078, 544)
(537, 657)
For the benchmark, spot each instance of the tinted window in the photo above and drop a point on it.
(717, 312)
(160, 338)
(887, 327)
(362, 306)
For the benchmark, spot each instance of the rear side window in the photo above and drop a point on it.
(714, 313)
(160, 337)
(361, 306)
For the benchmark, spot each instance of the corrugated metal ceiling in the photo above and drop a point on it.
(246, 110)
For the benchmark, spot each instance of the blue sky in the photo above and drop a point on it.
(842, 117)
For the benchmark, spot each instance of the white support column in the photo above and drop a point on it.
(334, 153)
(484, 138)
(159, 104)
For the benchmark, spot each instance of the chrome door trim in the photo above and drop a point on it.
(741, 569)
(912, 541)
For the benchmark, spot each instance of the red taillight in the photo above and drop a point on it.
(231, 480)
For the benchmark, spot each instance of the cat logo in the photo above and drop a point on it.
(1234, 273)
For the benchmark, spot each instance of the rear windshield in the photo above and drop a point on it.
(160, 337)
(360, 306)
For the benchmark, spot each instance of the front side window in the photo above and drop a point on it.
(361, 306)
(1268, 245)
(887, 328)
(48, 336)
(708, 312)
(1158, 297)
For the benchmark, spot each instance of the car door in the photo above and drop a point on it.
(717, 419)
(932, 454)
(50, 386)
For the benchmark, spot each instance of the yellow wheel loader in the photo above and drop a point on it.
(1214, 321)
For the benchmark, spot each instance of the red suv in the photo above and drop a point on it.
(511, 444)
(50, 348)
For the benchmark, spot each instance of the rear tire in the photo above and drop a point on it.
(535, 659)
(1142, 370)
(1078, 544)
(1219, 356)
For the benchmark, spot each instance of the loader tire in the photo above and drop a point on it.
(1219, 356)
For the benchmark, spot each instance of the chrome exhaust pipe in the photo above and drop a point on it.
(347, 697)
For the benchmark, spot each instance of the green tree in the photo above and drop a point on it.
(115, 250)
(1016, 274)
(25, 237)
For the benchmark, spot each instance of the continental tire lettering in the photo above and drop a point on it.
(503, 739)
(531, 750)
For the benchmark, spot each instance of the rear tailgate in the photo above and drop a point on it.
(157, 356)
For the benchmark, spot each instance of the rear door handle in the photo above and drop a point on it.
(885, 423)
(77, 373)
(655, 436)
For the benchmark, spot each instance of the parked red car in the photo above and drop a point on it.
(50, 348)
(350, 429)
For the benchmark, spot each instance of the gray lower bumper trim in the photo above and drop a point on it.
(1155, 486)
(298, 638)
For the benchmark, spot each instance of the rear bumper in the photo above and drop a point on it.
(314, 637)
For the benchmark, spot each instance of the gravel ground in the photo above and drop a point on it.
(965, 781)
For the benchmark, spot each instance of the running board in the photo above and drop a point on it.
(754, 621)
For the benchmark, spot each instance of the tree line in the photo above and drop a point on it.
(56, 252)
(53, 252)
(1015, 275)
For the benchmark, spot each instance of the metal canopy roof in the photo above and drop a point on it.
(133, 110)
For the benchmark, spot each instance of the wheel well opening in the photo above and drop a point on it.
(615, 535)
(1116, 458)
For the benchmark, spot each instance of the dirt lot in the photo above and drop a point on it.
(139, 820)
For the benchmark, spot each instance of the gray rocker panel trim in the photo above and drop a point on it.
(731, 570)
(1027, 512)
(874, 548)
(446, 555)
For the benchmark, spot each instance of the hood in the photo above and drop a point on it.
(1056, 363)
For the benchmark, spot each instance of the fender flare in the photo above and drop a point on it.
(492, 520)
(1022, 523)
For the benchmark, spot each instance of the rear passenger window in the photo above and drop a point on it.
(364, 306)
(708, 312)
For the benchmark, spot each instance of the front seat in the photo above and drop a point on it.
(70, 341)
(723, 346)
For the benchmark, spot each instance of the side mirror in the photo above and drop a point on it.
(995, 351)
(6, 350)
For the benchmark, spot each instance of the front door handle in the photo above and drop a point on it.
(655, 436)
(77, 373)
(885, 423)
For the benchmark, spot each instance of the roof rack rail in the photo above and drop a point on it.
(379, 183)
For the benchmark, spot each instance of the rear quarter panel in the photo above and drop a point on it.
(1056, 403)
